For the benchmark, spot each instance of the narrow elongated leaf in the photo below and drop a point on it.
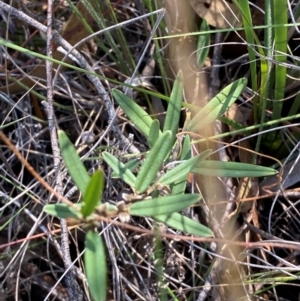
(95, 266)
(62, 211)
(93, 193)
(182, 170)
(131, 165)
(186, 148)
(218, 105)
(174, 107)
(163, 205)
(203, 43)
(120, 169)
(154, 133)
(179, 186)
(73, 163)
(185, 224)
(232, 169)
(135, 113)
(153, 162)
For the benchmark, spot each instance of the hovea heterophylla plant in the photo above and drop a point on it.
(157, 181)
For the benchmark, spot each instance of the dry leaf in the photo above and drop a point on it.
(217, 13)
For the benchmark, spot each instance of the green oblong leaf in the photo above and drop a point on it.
(174, 107)
(135, 113)
(95, 266)
(62, 211)
(182, 170)
(120, 169)
(163, 205)
(74, 165)
(186, 148)
(232, 169)
(218, 105)
(203, 44)
(93, 193)
(153, 162)
(154, 132)
(185, 224)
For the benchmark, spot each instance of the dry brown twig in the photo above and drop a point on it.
(73, 288)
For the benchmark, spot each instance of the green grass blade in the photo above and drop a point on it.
(265, 75)
(267, 82)
(73, 163)
(120, 43)
(159, 45)
(295, 106)
(116, 39)
(203, 44)
(251, 37)
(280, 15)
